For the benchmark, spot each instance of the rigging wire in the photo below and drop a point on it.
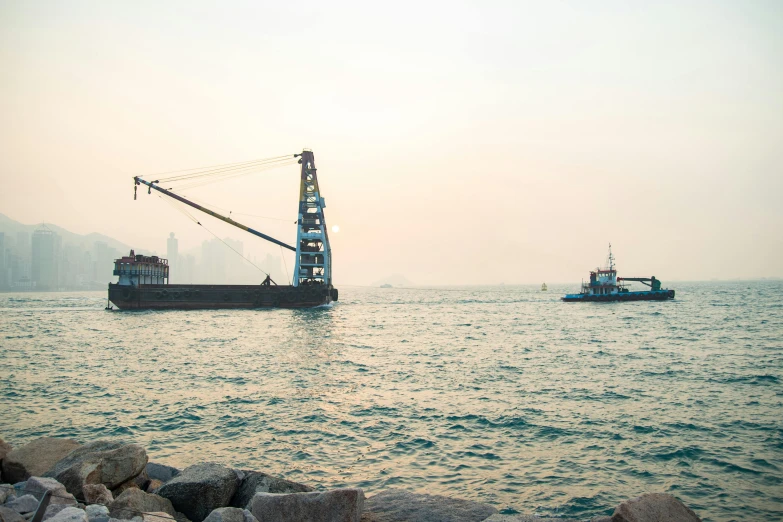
(231, 170)
(216, 236)
(265, 217)
(213, 166)
(286, 266)
(228, 211)
(243, 172)
(228, 171)
(221, 168)
(237, 252)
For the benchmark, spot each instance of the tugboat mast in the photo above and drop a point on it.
(610, 262)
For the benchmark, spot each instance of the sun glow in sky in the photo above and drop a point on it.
(457, 143)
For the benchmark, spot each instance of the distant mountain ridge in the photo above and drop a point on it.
(86, 241)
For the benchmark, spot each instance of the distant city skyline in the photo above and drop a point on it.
(42, 261)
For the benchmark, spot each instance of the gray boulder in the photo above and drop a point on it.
(128, 484)
(53, 509)
(654, 507)
(142, 480)
(23, 504)
(9, 515)
(99, 462)
(394, 505)
(159, 516)
(133, 501)
(37, 486)
(200, 489)
(35, 458)
(97, 494)
(338, 505)
(5, 491)
(257, 482)
(527, 518)
(5, 448)
(230, 514)
(70, 514)
(161, 472)
(97, 513)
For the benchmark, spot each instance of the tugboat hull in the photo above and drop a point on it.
(198, 297)
(652, 295)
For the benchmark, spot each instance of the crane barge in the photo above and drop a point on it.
(144, 280)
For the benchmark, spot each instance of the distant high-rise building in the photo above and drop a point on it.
(172, 253)
(213, 262)
(187, 266)
(23, 244)
(4, 282)
(45, 259)
(234, 262)
(104, 256)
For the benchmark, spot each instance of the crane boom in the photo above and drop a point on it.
(138, 181)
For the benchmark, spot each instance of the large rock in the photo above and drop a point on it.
(128, 484)
(37, 486)
(142, 480)
(230, 514)
(5, 448)
(70, 514)
(157, 516)
(200, 489)
(257, 482)
(97, 494)
(53, 509)
(5, 492)
(35, 458)
(23, 504)
(338, 505)
(97, 513)
(161, 472)
(133, 501)
(99, 462)
(9, 515)
(654, 507)
(395, 505)
(527, 518)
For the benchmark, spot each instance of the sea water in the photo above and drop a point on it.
(504, 395)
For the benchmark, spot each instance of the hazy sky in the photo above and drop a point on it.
(457, 142)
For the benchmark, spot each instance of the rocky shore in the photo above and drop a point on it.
(107, 481)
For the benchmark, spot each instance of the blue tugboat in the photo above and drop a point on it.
(604, 285)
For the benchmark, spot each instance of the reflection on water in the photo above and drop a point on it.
(503, 395)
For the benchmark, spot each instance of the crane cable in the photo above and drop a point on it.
(240, 172)
(200, 172)
(216, 236)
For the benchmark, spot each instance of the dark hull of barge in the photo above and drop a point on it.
(205, 297)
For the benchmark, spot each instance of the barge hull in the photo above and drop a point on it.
(203, 297)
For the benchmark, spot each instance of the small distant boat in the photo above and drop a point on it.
(386, 285)
(604, 285)
(543, 287)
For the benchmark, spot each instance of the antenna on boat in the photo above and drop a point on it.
(611, 258)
